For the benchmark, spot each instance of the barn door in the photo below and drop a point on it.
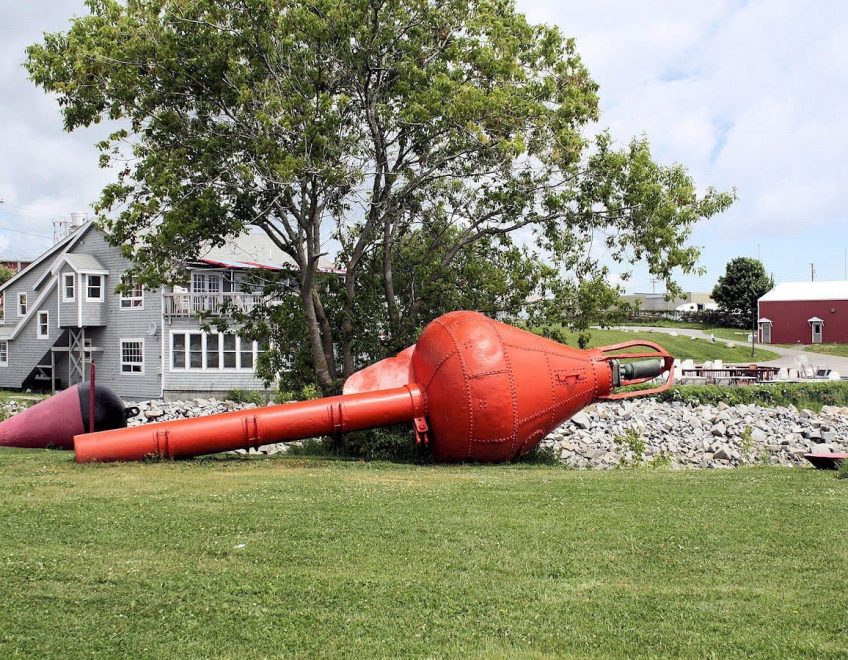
(765, 333)
(817, 332)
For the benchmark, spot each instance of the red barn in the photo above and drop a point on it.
(804, 313)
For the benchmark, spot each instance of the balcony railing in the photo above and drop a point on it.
(191, 304)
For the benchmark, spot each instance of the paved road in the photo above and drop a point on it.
(787, 355)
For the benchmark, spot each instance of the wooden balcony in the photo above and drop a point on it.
(192, 304)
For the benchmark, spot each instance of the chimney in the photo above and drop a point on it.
(77, 219)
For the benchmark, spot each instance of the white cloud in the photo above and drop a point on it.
(745, 94)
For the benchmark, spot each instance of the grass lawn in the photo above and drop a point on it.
(827, 349)
(735, 334)
(681, 347)
(23, 397)
(235, 558)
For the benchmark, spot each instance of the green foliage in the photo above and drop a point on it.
(395, 443)
(662, 459)
(800, 395)
(304, 393)
(420, 136)
(631, 441)
(842, 469)
(746, 442)
(247, 396)
(540, 456)
(6, 274)
(737, 291)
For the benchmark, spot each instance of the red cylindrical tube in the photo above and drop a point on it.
(243, 429)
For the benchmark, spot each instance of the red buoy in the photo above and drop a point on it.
(476, 388)
(55, 421)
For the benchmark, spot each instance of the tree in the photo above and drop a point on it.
(358, 122)
(6, 274)
(738, 290)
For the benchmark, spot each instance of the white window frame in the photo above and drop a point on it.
(4, 352)
(89, 298)
(130, 299)
(128, 340)
(46, 333)
(65, 296)
(24, 304)
(186, 368)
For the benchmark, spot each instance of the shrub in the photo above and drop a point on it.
(305, 393)
(540, 456)
(801, 395)
(247, 396)
(631, 440)
(842, 469)
(395, 443)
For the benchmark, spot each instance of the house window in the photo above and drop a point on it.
(195, 351)
(94, 288)
(43, 325)
(132, 356)
(22, 303)
(4, 353)
(134, 297)
(213, 356)
(198, 351)
(246, 353)
(178, 352)
(68, 287)
(230, 352)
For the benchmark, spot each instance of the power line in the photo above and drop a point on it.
(26, 233)
(25, 212)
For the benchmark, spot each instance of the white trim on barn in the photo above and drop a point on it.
(802, 291)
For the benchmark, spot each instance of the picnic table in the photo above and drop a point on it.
(732, 374)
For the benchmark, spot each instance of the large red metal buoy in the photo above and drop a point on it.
(55, 421)
(476, 389)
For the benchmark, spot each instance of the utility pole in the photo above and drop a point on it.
(812, 272)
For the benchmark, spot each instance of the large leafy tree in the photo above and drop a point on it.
(744, 281)
(356, 123)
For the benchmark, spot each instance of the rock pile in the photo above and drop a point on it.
(14, 406)
(162, 411)
(632, 432)
(703, 436)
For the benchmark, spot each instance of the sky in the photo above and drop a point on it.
(747, 95)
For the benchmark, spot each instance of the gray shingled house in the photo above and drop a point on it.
(62, 311)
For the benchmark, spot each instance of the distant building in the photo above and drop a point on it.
(804, 313)
(656, 302)
(62, 312)
(15, 265)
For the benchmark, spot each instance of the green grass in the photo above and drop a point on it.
(735, 334)
(828, 349)
(681, 347)
(23, 397)
(293, 557)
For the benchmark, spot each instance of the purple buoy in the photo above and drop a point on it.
(55, 421)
